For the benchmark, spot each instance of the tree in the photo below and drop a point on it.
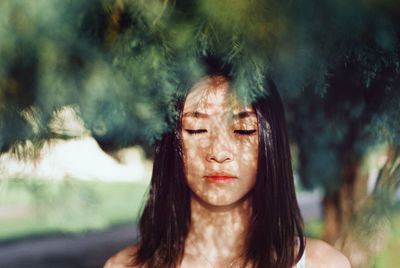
(334, 135)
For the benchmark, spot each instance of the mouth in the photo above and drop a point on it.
(219, 178)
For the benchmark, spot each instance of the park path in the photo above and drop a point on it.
(67, 251)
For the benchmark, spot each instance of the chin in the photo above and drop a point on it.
(221, 201)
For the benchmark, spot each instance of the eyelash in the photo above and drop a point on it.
(245, 132)
(240, 132)
(195, 131)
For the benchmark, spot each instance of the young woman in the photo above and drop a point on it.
(222, 192)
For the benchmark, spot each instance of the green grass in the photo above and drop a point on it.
(71, 206)
(314, 228)
(389, 257)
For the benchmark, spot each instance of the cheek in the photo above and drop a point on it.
(247, 148)
(247, 155)
(193, 151)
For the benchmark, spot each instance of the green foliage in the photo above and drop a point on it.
(122, 64)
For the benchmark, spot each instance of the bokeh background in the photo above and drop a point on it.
(86, 87)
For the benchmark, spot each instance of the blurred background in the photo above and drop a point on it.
(86, 87)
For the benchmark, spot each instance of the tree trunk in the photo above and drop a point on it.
(114, 22)
(356, 222)
(340, 206)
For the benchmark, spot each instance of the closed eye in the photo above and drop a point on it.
(196, 131)
(244, 132)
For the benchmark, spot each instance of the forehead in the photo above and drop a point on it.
(212, 95)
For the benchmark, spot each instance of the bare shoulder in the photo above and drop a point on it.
(122, 259)
(321, 254)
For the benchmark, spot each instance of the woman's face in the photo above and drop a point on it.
(220, 143)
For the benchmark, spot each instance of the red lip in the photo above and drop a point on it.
(219, 178)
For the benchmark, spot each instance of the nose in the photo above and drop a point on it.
(220, 150)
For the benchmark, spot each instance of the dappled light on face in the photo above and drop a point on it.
(220, 144)
(220, 154)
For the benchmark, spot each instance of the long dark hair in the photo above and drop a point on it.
(276, 218)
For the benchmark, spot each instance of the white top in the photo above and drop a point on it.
(302, 261)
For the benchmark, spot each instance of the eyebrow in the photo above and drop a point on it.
(195, 114)
(244, 114)
(240, 115)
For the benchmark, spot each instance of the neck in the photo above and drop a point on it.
(218, 232)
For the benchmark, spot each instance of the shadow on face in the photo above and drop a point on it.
(220, 154)
(220, 143)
